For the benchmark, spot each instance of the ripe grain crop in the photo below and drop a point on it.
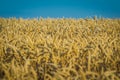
(59, 49)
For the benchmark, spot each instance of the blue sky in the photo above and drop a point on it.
(60, 8)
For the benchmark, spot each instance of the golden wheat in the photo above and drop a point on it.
(59, 49)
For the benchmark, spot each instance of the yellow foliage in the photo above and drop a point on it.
(59, 49)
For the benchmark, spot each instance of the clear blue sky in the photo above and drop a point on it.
(60, 8)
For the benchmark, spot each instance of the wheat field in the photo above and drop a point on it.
(59, 49)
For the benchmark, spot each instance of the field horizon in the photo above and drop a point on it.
(41, 17)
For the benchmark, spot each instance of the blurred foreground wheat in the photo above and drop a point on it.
(59, 49)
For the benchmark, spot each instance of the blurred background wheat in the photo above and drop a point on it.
(59, 49)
